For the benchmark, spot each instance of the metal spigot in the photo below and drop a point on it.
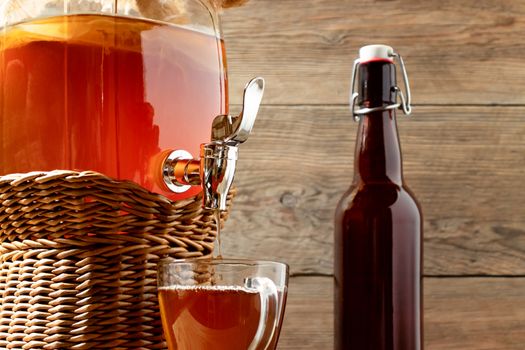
(215, 169)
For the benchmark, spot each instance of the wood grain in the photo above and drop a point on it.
(460, 314)
(465, 160)
(465, 164)
(457, 52)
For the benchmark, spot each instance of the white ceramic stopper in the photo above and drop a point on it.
(375, 53)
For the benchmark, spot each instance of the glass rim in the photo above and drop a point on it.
(228, 261)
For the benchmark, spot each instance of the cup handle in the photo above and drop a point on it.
(269, 306)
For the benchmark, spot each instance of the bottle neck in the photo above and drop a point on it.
(378, 152)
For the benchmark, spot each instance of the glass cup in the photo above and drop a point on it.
(222, 304)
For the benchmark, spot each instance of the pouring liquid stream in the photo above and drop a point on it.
(218, 250)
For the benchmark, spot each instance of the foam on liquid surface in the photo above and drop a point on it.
(205, 288)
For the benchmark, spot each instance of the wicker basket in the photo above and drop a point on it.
(78, 259)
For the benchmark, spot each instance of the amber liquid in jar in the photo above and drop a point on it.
(378, 234)
(106, 93)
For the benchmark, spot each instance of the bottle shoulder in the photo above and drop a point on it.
(378, 196)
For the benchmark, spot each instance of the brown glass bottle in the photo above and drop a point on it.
(378, 232)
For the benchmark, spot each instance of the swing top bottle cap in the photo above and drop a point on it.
(371, 53)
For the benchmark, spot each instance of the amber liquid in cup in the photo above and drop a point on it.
(106, 93)
(209, 317)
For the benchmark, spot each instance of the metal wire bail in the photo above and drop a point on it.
(406, 104)
(406, 101)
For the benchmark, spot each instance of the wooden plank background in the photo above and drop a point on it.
(464, 154)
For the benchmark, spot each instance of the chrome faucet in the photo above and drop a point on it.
(215, 169)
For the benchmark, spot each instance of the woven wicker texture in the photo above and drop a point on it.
(78, 255)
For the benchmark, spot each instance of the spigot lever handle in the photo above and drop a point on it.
(235, 130)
